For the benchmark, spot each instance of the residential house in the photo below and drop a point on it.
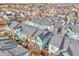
(43, 40)
(55, 43)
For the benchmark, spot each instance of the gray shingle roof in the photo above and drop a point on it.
(5, 43)
(56, 40)
(75, 28)
(29, 30)
(66, 43)
(42, 21)
(74, 46)
(18, 51)
(4, 53)
(13, 24)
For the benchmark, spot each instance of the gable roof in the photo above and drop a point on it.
(56, 40)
